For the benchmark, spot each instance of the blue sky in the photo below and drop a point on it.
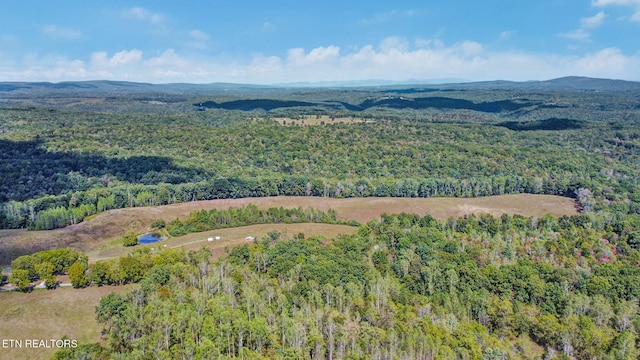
(282, 41)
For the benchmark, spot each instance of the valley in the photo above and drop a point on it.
(477, 220)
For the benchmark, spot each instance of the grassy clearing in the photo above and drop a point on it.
(50, 314)
(316, 120)
(228, 238)
(107, 226)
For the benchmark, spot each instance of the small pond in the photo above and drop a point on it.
(149, 239)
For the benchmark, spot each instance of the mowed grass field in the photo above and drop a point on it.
(105, 227)
(50, 314)
(228, 238)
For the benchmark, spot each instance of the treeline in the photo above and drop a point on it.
(133, 267)
(45, 265)
(203, 220)
(58, 211)
(405, 287)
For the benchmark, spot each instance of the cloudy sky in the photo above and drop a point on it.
(283, 41)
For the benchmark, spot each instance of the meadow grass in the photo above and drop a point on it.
(50, 314)
(104, 228)
(228, 238)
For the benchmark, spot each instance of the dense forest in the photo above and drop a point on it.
(61, 165)
(402, 287)
(405, 287)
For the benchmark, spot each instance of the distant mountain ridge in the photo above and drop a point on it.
(102, 86)
(563, 83)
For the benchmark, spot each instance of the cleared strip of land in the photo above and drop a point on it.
(109, 225)
(227, 238)
(313, 120)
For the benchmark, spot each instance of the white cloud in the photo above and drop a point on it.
(635, 4)
(322, 54)
(58, 32)
(593, 21)
(198, 40)
(469, 60)
(64, 68)
(615, 2)
(394, 44)
(47, 68)
(143, 14)
(198, 35)
(8, 39)
(392, 59)
(268, 27)
(168, 59)
(507, 34)
(319, 55)
(383, 17)
(586, 24)
(607, 62)
(431, 43)
(579, 34)
(101, 60)
(269, 68)
(469, 48)
(379, 18)
(461, 60)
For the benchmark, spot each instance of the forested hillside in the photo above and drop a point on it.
(406, 287)
(61, 165)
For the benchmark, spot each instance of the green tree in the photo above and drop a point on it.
(83, 351)
(77, 275)
(25, 262)
(100, 272)
(502, 317)
(624, 346)
(129, 239)
(158, 224)
(21, 279)
(46, 273)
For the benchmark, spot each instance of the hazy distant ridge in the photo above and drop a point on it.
(563, 83)
(569, 82)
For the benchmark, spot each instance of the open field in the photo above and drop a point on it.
(107, 226)
(50, 314)
(313, 120)
(228, 238)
